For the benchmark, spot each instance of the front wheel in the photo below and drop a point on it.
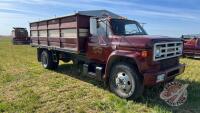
(125, 81)
(47, 60)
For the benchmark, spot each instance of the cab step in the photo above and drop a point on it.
(96, 73)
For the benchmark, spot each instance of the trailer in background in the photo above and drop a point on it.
(20, 36)
(191, 45)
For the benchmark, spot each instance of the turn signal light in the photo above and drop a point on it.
(144, 54)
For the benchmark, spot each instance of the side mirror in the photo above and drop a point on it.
(93, 26)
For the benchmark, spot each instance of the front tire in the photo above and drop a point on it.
(47, 60)
(125, 81)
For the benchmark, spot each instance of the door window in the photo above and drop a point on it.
(103, 29)
(131, 29)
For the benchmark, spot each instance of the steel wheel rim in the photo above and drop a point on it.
(124, 83)
(44, 60)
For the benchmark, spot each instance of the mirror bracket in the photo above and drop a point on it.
(93, 26)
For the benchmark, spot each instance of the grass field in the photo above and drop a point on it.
(25, 87)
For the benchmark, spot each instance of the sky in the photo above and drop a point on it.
(162, 17)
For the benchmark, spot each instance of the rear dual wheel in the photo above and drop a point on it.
(125, 81)
(47, 60)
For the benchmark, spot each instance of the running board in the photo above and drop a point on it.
(97, 75)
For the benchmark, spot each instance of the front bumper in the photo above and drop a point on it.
(150, 78)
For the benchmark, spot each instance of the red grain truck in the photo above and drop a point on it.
(110, 48)
(191, 46)
(20, 36)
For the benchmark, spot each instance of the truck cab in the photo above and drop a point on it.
(20, 36)
(123, 41)
(109, 48)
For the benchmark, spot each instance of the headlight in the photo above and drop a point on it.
(158, 52)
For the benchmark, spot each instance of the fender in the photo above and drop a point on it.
(135, 55)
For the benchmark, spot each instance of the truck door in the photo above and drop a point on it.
(99, 45)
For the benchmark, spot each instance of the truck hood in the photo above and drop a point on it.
(145, 41)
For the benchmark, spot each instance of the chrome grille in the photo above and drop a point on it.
(167, 50)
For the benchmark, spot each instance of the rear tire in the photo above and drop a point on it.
(125, 82)
(47, 60)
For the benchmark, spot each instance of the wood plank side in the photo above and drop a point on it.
(68, 25)
(34, 40)
(43, 43)
(68, 19)
(68, 22)
(67, 45)
(42, 25)
(51, 39)
(33, 26)
(68, 40)
(54, 44)
(53, 24)
(42, 38)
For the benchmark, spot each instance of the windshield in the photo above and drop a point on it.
(126, 27)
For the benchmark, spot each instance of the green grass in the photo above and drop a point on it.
(25, 87)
